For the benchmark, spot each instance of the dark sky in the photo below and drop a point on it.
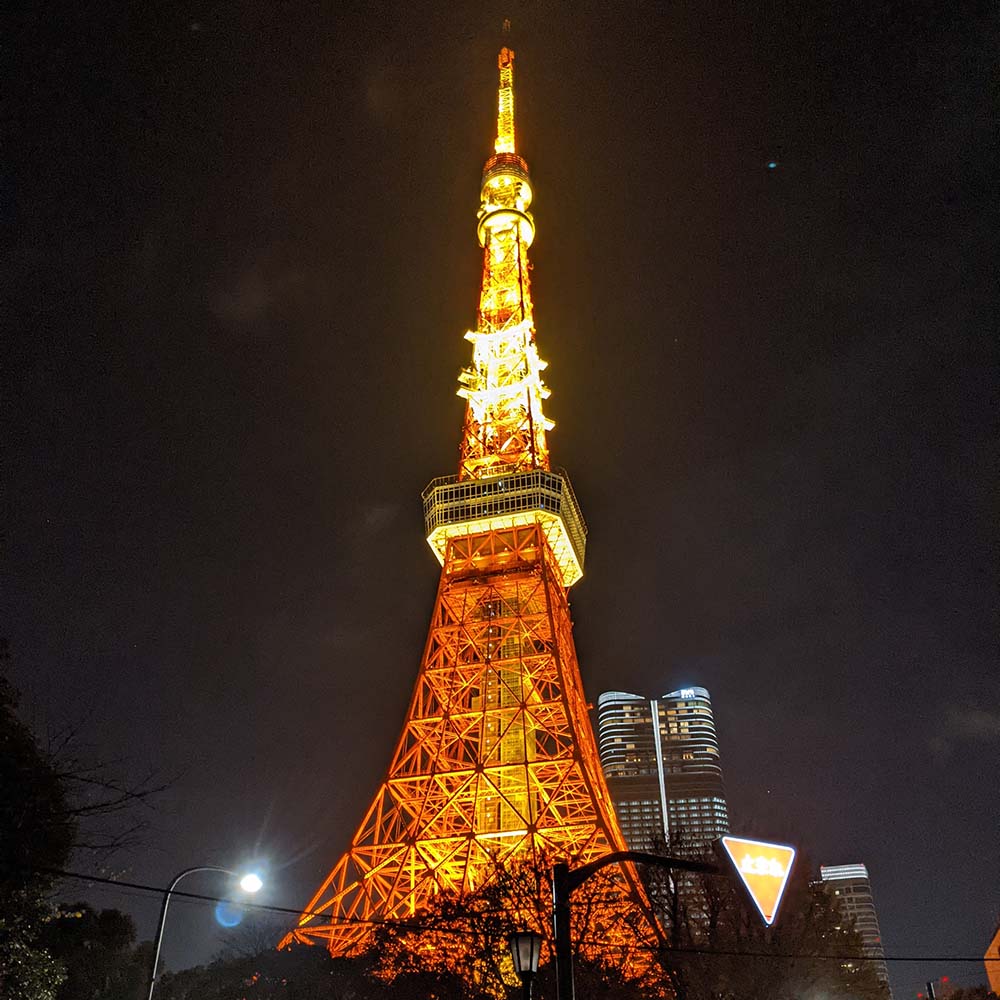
(243, 260)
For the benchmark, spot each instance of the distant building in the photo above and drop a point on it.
(661, 760)
(850, 886)
(943, 988)
(992, 962)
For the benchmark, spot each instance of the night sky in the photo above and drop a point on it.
(243, 258)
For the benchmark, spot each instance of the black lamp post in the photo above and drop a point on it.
(525, 949)
(565, 881)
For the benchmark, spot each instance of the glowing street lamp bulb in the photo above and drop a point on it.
(251, 882)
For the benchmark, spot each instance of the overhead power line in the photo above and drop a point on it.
(709, 952)
(427, 928)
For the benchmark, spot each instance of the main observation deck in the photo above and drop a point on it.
(456, 508)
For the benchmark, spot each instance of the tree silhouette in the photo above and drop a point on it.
(36, 833)
(53, 802)
(99, 953)
(720, 949)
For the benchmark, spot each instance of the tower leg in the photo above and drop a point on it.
(496, 764)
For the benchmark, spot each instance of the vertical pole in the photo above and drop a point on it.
(158, 941)
(163, 915)
(561, 931)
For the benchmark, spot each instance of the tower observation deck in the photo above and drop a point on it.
(496, 765)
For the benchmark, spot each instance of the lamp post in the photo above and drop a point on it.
(762, 869)
(525, 949)
(565, 881)
(250, 882)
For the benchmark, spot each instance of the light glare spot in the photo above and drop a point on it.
(251, 882)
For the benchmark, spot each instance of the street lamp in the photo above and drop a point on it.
(525, 949)
(565, 881)
(250, 882)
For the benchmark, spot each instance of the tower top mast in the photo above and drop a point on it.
(505, 425)
(504, 436)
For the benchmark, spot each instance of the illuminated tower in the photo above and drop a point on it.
(497, 758)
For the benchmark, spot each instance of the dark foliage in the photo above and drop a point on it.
(52, 803)
(467, 937)
(36, 833)
(99, 953)
(721, 950)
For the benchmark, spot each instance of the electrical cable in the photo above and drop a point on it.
(266, 907)
(794, 955)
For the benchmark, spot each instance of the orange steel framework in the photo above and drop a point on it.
(497, 758)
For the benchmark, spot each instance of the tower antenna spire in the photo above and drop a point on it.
(505, 426)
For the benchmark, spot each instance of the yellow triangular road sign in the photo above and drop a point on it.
(763, 869)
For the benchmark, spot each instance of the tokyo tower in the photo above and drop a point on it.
(497, 760)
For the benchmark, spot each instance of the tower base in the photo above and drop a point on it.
(496, 769)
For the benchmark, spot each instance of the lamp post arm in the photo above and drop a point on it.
(580, 875)
(158, 940)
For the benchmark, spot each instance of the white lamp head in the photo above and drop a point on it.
(251, 882)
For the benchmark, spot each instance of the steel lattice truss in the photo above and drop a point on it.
(496, 760)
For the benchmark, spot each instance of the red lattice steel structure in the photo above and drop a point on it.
(497, 758)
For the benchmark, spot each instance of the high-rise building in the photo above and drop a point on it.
(661, 760)
(851, 887)
(497, 761)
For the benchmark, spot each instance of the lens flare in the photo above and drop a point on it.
(228, 914)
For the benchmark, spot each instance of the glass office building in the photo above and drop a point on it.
(851, 887)
(661, 760)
